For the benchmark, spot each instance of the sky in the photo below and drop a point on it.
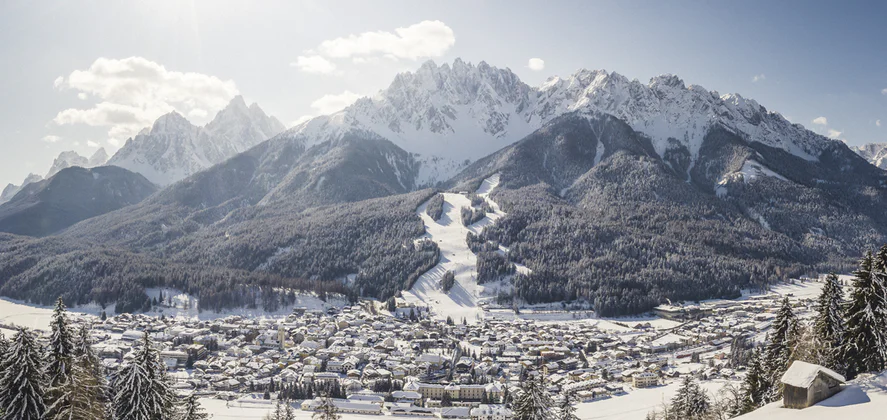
(78, 75)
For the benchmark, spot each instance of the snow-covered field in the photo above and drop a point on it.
(865, 398)
(631, 406)
(636, 404)
(450, 235)
(20, 314)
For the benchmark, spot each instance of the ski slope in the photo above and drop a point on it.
(450, 236)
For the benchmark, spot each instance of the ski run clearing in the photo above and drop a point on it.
(463, 300)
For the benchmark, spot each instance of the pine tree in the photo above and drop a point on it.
(192, 410)
(143, 392)
(326, 410)
(61, 349)
(566, 410)
(828, 327)
(690, 403)
(755, 384)
(22, 384)
(84, 396)
(4, 347)
(865, 337)
(534, 402)
(778, 352)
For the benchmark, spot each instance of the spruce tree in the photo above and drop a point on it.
(327, 410)
(828, 327)
(865, 336)
(61, 349)
(755, 383)
(192, 410)
(777, 355)
(84, 396)
(534, 402)
(4, 347)
(690, 403)
(566, 409)
(22, 384)
(142, 390)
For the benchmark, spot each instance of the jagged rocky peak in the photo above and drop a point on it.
(67, 159)
(98, 158)
(174, 147)
(171, 123)
(452, 114)
(875, 153)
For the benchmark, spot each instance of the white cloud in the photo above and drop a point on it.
(820, 121)
(51, 138)
(536, 64)
(76, 144)
(91, 143)
(758, 78)
(884, 91)
(833, 134)
(114, 142)
(314, 64)
(300, 120)
(429, 38)
(82, 96)
(134, 91)
(877, 123)
(329, 104)
(197, 114)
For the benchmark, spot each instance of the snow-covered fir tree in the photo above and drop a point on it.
(142, 389)
(61, 349)
(85, 395)
(755, 384)
(4, 347)
(690, 403)
(865, 336)
(566, 410)
(191, 410)
(22, 384)
(283, 411)
(534, 402)
(326, 410)
(778, 352)
(828, 326)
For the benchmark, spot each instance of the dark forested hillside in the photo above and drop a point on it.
(592, 210)
(635, 230)
(312, 250)
(71, 195)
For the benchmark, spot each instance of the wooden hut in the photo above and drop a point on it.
(806, 384)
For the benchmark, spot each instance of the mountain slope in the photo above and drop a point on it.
(621, 193)
(596, 213)
(450, 116)
(173, 148)
(71, 195)
(64, 160)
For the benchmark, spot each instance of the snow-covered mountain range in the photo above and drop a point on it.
(451, 115)
(173, 148)
(875, 153)
(64, 160)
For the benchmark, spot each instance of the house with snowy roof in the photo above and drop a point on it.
(807, 384)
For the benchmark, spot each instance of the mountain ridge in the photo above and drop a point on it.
(173, 148)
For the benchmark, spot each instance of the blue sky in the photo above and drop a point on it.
(805, 59)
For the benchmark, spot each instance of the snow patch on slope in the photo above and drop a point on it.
(750, 171)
